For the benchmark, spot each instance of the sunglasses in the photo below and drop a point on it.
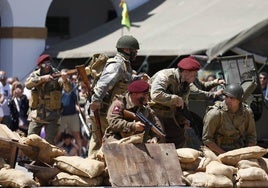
(45, 63)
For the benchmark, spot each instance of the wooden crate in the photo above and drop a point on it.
(143, 165)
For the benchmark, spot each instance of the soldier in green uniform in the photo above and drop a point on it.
(121, 126)
(45, 101)
(229, 124)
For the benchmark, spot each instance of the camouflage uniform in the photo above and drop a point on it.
(229, 130)
(120, 126)
(165, 84)
(45, 104)
(114, 80)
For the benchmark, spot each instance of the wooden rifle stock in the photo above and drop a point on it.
(82, 73)
(139, 117)
(69, 72)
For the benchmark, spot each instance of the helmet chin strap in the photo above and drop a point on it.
(131, 55)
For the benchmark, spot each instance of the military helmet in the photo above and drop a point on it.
(128, 41)
(234, 90)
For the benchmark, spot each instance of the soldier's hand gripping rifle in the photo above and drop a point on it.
(83, 75)
(138, 116)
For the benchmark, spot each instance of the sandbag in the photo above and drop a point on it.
(208, 153)
(47, 152)
(252, 174)
(16, 179)
(232, 157)
(65, 179)
(252, 184)
(80, 166)
(188, 155)
(217, 168)
(201, 179)
(191, 166)
(247, 163)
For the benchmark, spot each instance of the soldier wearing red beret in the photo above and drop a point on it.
(121, 123)
(169, 93)
(45, 101)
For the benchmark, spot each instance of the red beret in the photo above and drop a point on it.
(189, 63)
(138, 86)
(42, 58)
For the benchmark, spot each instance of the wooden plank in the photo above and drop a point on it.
(12, 147)
(143, 164)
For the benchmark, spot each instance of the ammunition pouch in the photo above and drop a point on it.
(53, 100)
(34, 99)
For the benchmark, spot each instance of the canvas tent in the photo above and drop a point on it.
(180, 27)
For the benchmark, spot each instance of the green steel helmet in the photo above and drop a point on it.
(128, 41)
(234, 90)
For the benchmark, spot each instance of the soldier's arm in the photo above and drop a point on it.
(158, 92)
(211, 123)
(116, 121)
(35, 79)
(65, 83)
(110, 76)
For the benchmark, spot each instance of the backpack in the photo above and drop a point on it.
(96, 66)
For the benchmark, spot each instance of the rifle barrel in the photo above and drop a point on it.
(151, 125)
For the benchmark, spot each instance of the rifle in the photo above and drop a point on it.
(138, 116)
(69, 72)
(82, 73)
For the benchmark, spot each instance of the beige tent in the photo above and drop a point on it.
(180, 27)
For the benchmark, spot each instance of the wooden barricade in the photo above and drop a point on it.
(9, 150)
(142, 165)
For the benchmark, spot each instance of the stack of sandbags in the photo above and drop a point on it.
(72, 170)
(198, 172)
(46, 151)
(14, 178)
(243, 167)
(250, 173)
(189, 158)
(78, 171)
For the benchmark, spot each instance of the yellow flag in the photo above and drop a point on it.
(125, 16)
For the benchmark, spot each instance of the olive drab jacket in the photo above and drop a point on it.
(114, 80)
(229, 130)
(166, 84)
(45, 101)
(121, 126)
